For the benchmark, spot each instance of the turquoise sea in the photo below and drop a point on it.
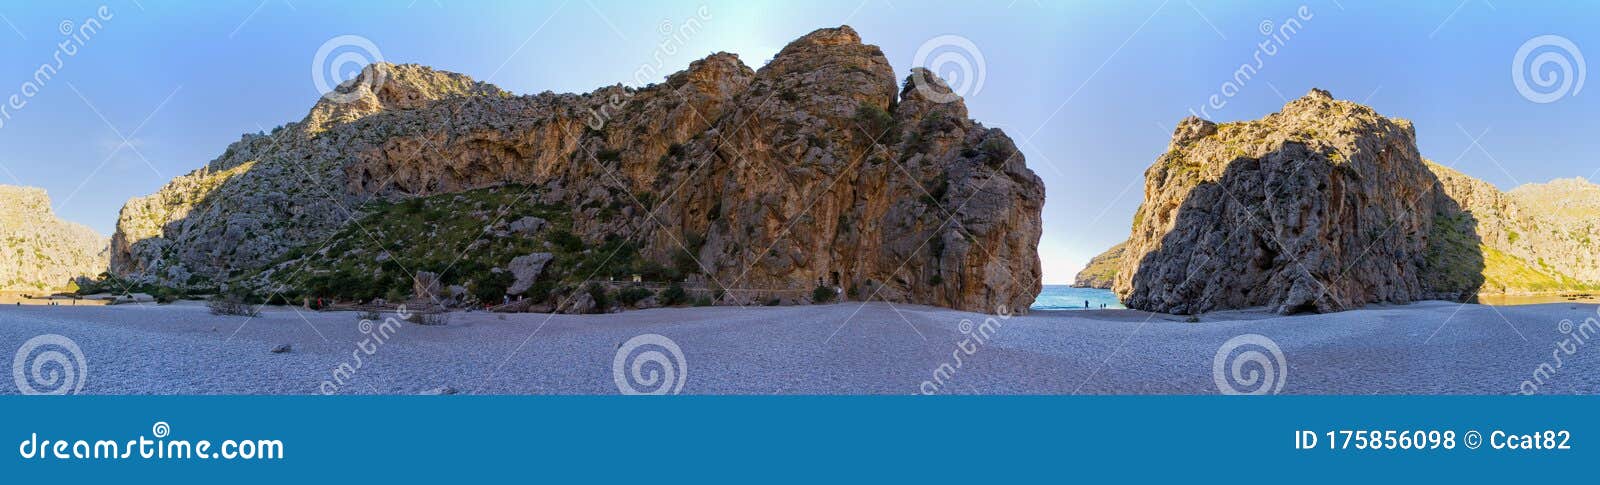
(1063, 297)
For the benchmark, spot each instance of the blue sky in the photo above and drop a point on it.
(1090, 90)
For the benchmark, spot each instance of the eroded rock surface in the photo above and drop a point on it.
(1327, 205)
(1323, 206)
(813, 171)
(39, 251)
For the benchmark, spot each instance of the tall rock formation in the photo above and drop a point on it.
(39, 252)
(813, 171)
(1101, 271)
(1327, 206)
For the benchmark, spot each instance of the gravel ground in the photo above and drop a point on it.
(848, 348)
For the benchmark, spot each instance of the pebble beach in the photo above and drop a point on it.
(845, 348)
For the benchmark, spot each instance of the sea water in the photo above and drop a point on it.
(1063, 297)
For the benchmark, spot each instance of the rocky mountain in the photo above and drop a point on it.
(40, 252)
(1327, 205)
(1102, 270)
(755, 186)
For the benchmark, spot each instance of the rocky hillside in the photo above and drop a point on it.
(757, 186)
(39, 252)
(1327, 205)
(1102, 270)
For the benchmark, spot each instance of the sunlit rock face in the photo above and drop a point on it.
(37, 250)
(816, 170)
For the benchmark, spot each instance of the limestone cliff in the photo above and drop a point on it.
(40, 252)
(1327, 205)
(1102, 270)
(763, 185)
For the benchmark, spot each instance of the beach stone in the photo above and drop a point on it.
(281, 348)
(440, 391)
(526, 270)
(527, 225)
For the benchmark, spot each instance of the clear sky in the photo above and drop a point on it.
(1089, 90)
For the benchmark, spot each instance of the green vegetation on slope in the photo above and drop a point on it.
(463, 237)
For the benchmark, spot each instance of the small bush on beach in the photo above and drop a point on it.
(674, 295)
(633, 294)
(602, 300)
(822, 294)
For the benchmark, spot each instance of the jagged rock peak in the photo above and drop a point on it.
(1270, 212)
(383, 86)
(841, 35)
(1191, 129)
(756, 155)
(40, 251)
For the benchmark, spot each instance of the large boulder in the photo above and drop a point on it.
(1323, 206)
(526, 270)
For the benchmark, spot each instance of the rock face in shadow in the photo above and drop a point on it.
(1323, 206)
(39, 251)
(1327, 206)
(814, 171)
